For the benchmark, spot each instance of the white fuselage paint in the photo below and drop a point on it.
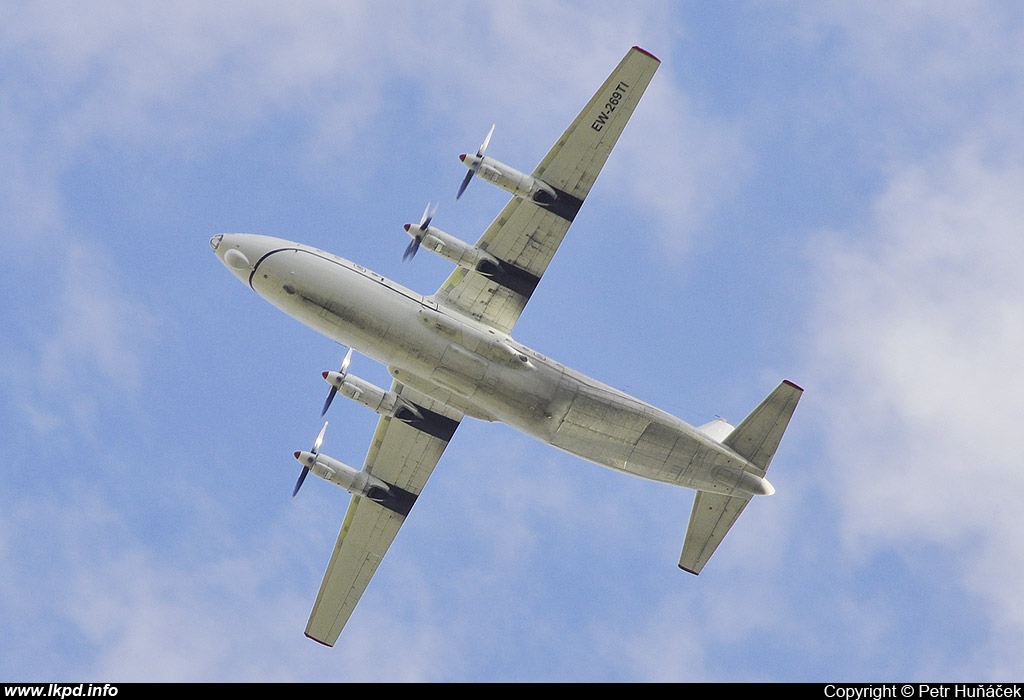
(480, 371)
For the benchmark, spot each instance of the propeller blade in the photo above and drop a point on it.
(487, 140)
(479, 154)
(334, 390)
(305, 469)
(428, 216)
(330, 397)
(319, 439)
(465, 183)
(421, 230)
(346, 362)
(411, 250)
(302, 477)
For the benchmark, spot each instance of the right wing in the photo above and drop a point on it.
(403, 455)
(526, 235)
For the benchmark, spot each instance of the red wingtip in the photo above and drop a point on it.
(647, 53)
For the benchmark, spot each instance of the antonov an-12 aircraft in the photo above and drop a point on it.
(451, 355)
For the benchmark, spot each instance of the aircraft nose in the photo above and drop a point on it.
(230, 249)
(236, 251)
(241, 253)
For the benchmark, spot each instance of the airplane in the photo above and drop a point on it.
(451, 355)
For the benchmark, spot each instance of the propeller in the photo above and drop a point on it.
(316, 449)
(334, 390)
(476, 166)
(414, 244)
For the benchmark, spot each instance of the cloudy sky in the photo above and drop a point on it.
(828, 192)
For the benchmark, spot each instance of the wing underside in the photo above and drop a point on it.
(525, 235)
(404, 455)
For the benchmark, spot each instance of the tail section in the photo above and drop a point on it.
(755, 439)
(758, 436)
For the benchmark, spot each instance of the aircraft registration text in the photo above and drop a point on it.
(610, 106)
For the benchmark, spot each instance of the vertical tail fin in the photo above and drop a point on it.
(755, 439)
(758, 436)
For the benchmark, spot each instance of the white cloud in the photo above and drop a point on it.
(78, 343)
(920, 335)
(942, 63)
(99, 327)
(692, 168)
(188, 74)
(918, 312)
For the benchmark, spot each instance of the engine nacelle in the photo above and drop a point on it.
(355, 481)
(451, 248)
(509, 179)
(382, 401)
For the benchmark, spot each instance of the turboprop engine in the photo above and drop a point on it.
(358, 482)
(354, 481)
(509, 179)
(449, 247)
(382, 401)
(504, 176)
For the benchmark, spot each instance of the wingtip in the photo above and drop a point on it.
(647, 53)
(318, 641)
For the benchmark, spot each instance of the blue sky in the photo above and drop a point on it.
(827, 192)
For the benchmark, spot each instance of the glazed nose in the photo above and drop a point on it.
(230, 250)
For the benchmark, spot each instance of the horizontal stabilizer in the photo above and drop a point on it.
(710, 520)
(758, 436)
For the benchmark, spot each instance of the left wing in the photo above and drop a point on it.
(403, 455)
(526, 235)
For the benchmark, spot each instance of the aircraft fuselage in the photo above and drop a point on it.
(480, 371)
